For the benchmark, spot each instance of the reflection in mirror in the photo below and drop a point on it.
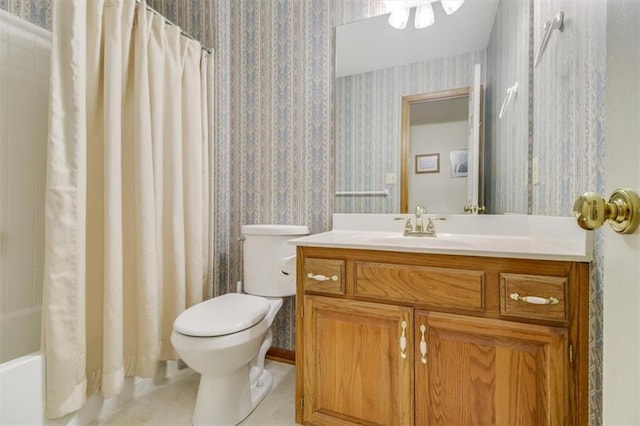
(368, 126)
(435, 125)
(508, 139)
(368, 108)
(372, 44)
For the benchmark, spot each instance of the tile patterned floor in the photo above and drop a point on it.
(172, 404)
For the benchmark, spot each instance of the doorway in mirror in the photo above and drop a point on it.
(443, 125)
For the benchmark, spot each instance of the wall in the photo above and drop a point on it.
(35, 11)
(24, 94)
(569, 136)
(507, 140)
(569, 86)
(438, 127)
(368, 120)
(275, 149)
(438, 192)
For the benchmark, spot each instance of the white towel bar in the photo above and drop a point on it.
(343, 193)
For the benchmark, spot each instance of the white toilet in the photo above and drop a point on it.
(225, 339)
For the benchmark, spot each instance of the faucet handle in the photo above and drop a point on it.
(431, 226)
(407, 225)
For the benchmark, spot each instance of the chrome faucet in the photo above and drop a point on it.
(420, 210)
(419, 230)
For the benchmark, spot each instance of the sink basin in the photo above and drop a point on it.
(435, 242)
(446, 242)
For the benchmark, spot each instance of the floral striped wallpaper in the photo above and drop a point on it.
(569, 86)
(507, 188)
(275, 153)
(35, 11)
(275, 119)
(569, 136)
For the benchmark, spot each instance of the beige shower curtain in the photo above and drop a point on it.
(127, 201)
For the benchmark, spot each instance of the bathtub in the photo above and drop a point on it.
(22, 393)
(22, 390)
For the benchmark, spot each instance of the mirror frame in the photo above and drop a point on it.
(407, 102)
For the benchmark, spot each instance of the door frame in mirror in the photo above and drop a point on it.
(407, 102)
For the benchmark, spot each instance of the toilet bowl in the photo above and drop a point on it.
(226, 338)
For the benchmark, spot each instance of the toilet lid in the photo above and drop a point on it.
(226, 314)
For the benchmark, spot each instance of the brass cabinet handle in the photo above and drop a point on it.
(403, 340)
(423, 345)
(535, 300)
(322, 277)
(474, 209)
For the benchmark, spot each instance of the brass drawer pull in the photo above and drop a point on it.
(423, 345)
(535, 300)
(403, 340)
(322, 277)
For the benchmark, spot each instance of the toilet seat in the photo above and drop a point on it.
(222, 315)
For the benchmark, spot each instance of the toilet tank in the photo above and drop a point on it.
(269, 263)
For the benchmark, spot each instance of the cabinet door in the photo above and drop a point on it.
(480, 371)
(355, 369)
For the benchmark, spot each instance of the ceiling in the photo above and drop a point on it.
(372, 44)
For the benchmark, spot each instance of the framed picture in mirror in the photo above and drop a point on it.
(428, 163)
(459, 163)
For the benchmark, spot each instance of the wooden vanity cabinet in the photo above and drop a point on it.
(352, 354)
(391, 338)
(490, 372)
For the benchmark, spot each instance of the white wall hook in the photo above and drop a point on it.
(509, 97)
(556, 23)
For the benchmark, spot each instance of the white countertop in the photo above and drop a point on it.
(509, 236)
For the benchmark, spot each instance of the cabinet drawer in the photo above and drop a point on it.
(324, 276)
(421, 285)
(533, 296)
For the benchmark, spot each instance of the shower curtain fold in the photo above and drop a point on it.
(127, 204)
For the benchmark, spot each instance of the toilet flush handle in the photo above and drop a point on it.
(288, 265)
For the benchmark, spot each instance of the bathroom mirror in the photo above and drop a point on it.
(369, 93)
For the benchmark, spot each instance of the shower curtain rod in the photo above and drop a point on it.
(168, 22)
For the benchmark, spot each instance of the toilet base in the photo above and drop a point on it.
(228, 400)
(261, 388)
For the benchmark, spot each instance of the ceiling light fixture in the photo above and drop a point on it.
(424, 16)
(424, 11)
(450, 6)
(399, 18)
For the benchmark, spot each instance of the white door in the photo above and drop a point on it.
(473, 161)
(621, 357)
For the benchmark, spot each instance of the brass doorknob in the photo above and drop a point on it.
(622, 211)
